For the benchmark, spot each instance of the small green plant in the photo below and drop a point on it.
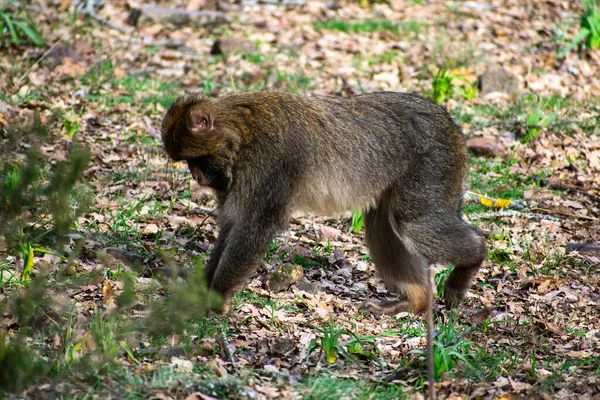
(186, 301)
(19, 363)
(450, 348)
(468, 90)
(109, 333)
(440, 280)
(357, 221)
(272, 306)
(446, 83)
(208, 87)
(19, 29)
(368, 26)
(39, 203)
(329, 342)
(442, 85)
(210, 326)
(71, 123)
(356, 348)
(319, 250)
(254, 58)
(537, 118)
(589, 31)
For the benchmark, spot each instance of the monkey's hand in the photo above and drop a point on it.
(220, 305)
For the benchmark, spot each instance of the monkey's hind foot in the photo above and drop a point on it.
(389, 307)
(453, 296)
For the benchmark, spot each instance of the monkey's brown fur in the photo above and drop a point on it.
(399, 156)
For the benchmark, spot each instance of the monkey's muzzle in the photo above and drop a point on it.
(196, 169)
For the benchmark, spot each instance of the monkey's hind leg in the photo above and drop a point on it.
(443, 237)
(403, 271)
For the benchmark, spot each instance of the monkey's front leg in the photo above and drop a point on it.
(215, 256)
(246, 245)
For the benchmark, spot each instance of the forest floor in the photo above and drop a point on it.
(95, 311)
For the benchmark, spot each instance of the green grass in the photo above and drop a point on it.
(490, 363)
(40, 202)
(365, 61)
(249, 296)
(357, 221)
(140, 90)
(17, 29)
(451, 349)
(531, 114)
(369, 26)
(334, 388)
(292, 82)
(493, 177)
(254, 58)
(588, 36)
(411, 327)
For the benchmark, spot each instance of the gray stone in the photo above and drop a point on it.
(164, 15)
(497, 79)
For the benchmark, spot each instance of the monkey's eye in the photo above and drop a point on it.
(203, 123)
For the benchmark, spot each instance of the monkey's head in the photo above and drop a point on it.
(197, 130)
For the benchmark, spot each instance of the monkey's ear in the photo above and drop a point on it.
(199, 120)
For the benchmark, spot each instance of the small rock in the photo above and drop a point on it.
(362, 266)
(285, 276)
(151, 14)
(216, 366)
(126, 257)
(182, 364)
(485, 146)
(360, 289)
(150, 229)
(271, 368)
(207, 347)
(591, 249)
(330, 233)
(229, 46)
(276, 346)
(343, 274)
(282, 346)
(56, 56)
(309, 287)
(497, 79)
(303, 252)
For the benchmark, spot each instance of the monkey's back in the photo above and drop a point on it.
(374, 141)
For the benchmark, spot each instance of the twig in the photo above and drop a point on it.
(18, 83)
(514, 213)
(430, 369)
(570, 189)
(566, 214)
(221, 339)
(89, 10)
(203, 211)
(166, 351)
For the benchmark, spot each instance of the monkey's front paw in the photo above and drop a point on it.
(219, 305)
(389, 307)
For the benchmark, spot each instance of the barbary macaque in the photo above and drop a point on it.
(398, 156)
